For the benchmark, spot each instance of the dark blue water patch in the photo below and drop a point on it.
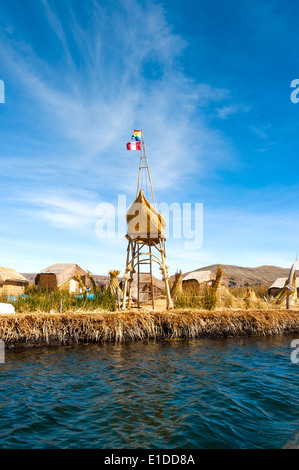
(207, 393)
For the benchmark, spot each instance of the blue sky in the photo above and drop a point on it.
(209, 84)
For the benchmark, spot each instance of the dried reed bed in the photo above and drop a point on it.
(58, 329)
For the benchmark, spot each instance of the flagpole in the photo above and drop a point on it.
(148, 171)
(140, 165)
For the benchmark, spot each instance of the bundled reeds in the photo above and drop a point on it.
(250, 298)
(177, 287)
(217, 282)
(114, 284)
(222, 295)
(59, 329)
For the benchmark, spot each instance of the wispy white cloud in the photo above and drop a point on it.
(76, 213)
(226, 111)
(261, 131)
(96, 111)
(56, 26)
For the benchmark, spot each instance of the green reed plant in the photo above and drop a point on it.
(46, 300)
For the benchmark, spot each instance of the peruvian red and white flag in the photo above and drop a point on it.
(134, 146)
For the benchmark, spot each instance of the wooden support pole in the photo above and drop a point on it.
(138, 280)
(144, 157)
(148, 171)
(118, 298)
(140, 166)
(151, 273)
(169, 303)
(290, 281)
(133, 249)
(126, 281)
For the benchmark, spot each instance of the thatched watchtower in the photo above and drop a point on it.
(146, 239)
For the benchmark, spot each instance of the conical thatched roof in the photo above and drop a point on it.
(7, 274)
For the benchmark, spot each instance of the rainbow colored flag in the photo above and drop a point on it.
(137, 135)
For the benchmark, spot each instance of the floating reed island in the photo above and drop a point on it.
(37, 329)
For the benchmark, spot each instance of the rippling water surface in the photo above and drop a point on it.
(229, 393)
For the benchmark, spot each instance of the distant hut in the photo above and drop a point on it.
(104, 281)
(196, 279)
(12, 283)
(101, 281)
(278, 286)
(145, 288)
(63, 276)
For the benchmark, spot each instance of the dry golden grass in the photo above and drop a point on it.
(54, 329)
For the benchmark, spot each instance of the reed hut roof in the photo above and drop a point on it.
(63, 272)
(146, 279)
(279, 283)
(200, 276)
(101, 279)
(7, 274)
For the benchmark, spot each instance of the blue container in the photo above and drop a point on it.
(11, 298)
(88, 296)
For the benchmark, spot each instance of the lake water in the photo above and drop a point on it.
(205, 393)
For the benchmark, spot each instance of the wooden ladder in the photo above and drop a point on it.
(150, 290)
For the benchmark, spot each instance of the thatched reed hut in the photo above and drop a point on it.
(278, 286)
(12, 283)
(145, 290)
(198, 278)
(63, 276)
